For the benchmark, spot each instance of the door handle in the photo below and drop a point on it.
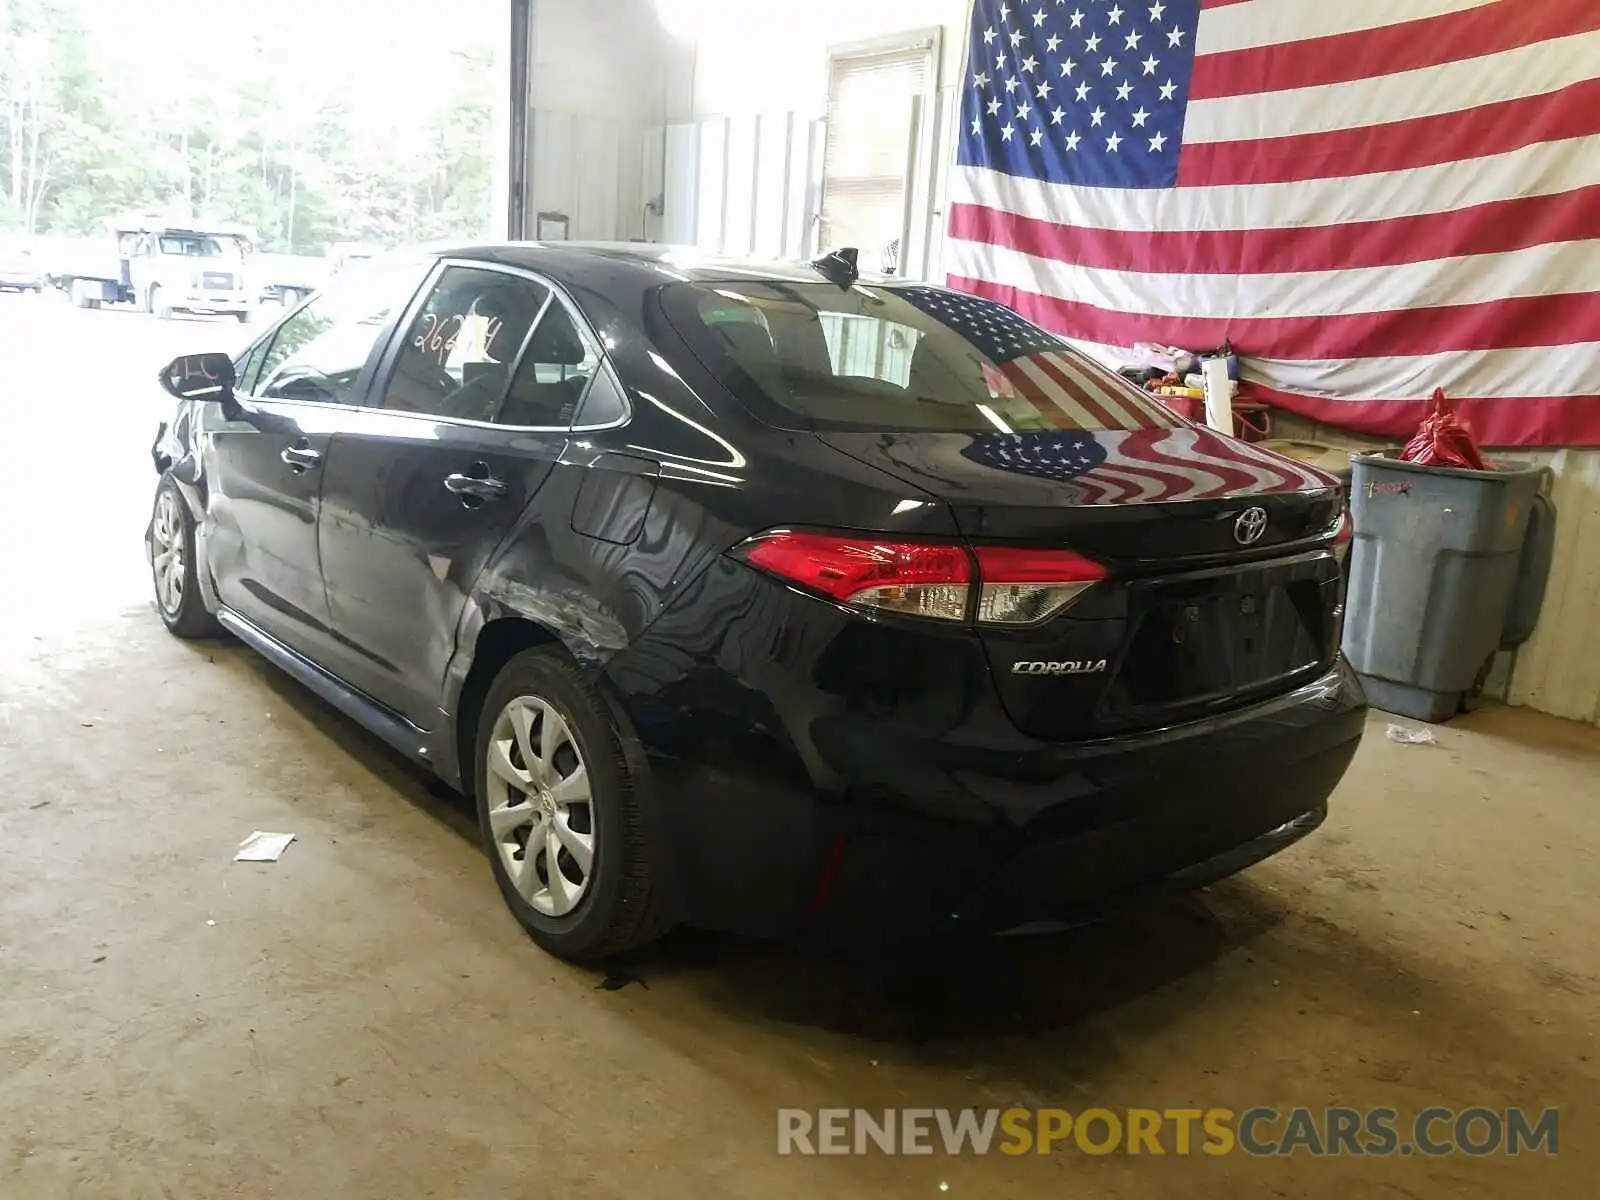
(477, 486)
(301, 458)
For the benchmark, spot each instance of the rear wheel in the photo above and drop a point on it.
(173, 567)
(560, 818)
(156, 304)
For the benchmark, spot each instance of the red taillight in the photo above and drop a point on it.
(1026, 586)
(921, 579)
(1015, 586)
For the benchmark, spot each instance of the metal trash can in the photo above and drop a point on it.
(1432, 571)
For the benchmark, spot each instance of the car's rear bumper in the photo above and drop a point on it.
(793, 803)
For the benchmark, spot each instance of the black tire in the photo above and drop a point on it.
(188, 617)
(620, 911)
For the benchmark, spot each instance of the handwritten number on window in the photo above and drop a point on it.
(438, 336)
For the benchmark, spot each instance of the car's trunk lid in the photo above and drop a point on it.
(1220, 587)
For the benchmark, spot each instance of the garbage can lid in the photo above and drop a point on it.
(1497, 472)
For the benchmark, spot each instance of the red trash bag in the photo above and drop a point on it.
(1443, 439)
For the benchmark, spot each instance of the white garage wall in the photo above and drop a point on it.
(745, 174)
(1558, 671)
(744, 184)
(729, 75)
(606, 79)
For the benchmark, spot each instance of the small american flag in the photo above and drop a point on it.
(1369, 198)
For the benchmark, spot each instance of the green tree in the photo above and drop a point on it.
(51, 107)
(176, 107)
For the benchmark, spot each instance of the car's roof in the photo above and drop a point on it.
(685, 263)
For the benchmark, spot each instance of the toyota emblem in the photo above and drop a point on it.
(1250, 526)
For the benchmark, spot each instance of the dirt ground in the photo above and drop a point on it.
(362, 1019)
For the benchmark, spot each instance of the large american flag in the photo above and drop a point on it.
(1370, 198)
(1112, 443)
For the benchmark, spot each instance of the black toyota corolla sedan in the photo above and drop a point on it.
(766, 598)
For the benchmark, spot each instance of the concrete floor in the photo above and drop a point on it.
(363, 1019)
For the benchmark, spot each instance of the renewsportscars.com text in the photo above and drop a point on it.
(1259, 1131)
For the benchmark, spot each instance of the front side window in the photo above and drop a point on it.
(248, 369)
(317, 355)
(459, 349)
(886, 359)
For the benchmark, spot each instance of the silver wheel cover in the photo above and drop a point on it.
(540, 809)
(166, 552)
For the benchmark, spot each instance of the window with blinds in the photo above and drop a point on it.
(874, 124)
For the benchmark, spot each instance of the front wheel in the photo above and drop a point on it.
(559, 814)
(174, 569)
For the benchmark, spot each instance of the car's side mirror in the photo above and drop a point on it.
(204, 377)
(199, 376)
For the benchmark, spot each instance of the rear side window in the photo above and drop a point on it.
(603, 405)
(557, 368)
(869, 358)
(460, 347)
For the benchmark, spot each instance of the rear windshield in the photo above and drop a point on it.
(903, 358)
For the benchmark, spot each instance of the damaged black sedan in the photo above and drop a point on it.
(766, 598)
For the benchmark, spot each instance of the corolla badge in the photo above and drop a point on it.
(1088, 667)
(1250, 526)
